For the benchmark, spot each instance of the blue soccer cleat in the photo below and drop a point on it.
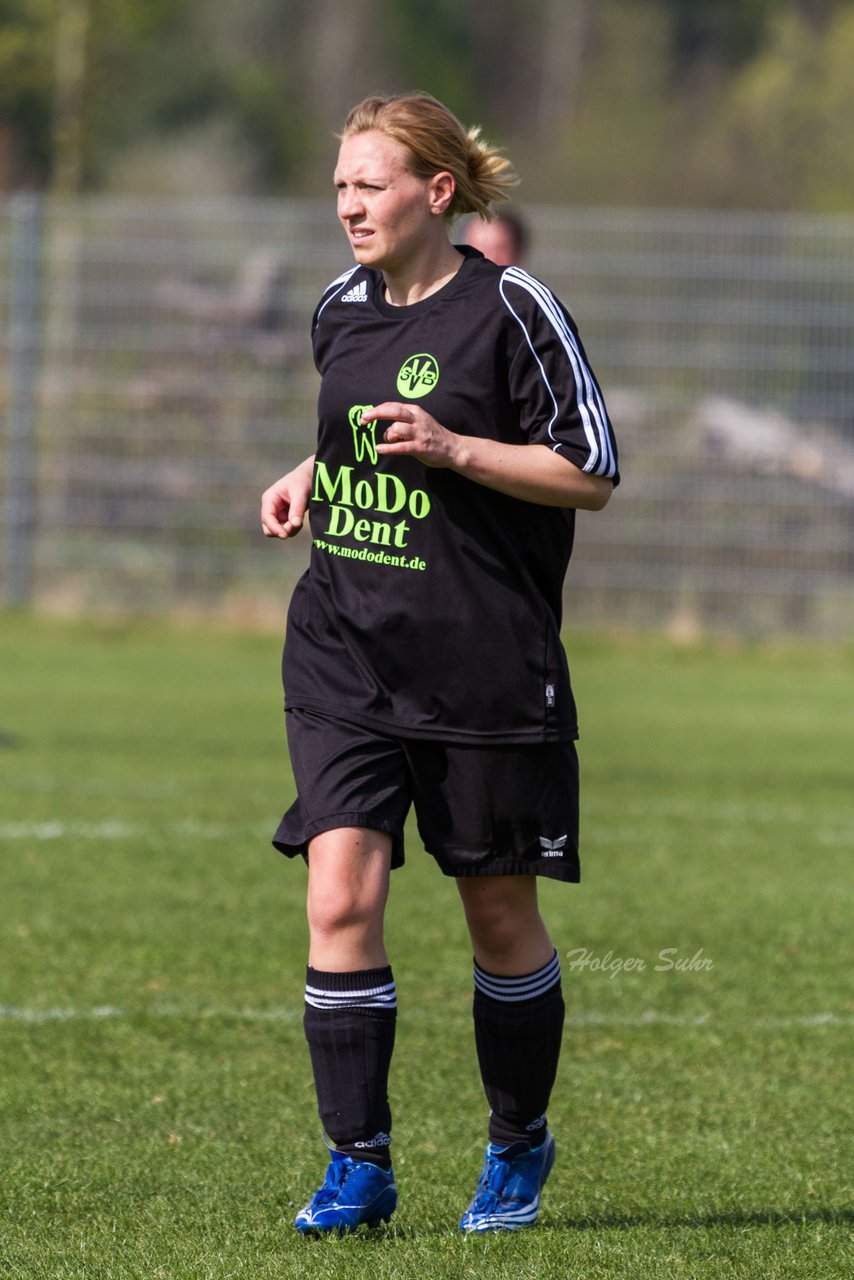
(354, 1192)
(508, 1194)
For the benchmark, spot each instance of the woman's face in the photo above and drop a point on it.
(387, 213)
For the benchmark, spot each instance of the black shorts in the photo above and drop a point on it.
(481, 810)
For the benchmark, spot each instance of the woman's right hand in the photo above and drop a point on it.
(283, 505)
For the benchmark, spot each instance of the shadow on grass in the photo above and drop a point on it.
(758, 1218)
(629, 1222)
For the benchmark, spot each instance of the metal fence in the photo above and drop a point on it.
(156, 376)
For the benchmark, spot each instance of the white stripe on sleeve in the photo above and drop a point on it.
(591, 408)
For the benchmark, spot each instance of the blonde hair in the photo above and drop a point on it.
(438, 142)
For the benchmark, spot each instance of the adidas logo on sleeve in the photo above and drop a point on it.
(359, 293)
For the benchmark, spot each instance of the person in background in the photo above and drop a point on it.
(460, 428)
(504, 238)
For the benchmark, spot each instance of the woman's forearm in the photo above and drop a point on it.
(532, 472)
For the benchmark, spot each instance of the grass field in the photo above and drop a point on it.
(157, 1115)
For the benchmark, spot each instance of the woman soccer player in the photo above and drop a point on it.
(460, 427)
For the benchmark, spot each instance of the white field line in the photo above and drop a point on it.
(73, 784)
(115, 830)
(650, 1018)
(118, 830)
(62, 830)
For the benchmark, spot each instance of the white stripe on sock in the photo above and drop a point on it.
(526, 987)
(381, 997)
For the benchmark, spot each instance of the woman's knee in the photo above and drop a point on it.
(334, 908)
(497, 907)
(504, 921)
(347, 881)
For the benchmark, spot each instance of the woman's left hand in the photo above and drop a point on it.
(413, 431)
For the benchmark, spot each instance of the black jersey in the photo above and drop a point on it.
(432, 604)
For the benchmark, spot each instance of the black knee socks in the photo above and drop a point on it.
(349, 1025)
(518, 1024)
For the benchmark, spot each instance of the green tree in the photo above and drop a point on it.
(789, 117)
(615, 144)
(26, 86)
(607, 101)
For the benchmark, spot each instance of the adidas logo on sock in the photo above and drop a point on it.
(379, 1140)
(359, 293)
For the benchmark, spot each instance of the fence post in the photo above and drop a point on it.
(23, 348)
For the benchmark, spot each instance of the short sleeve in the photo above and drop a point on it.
(330, 293)
(559, 401)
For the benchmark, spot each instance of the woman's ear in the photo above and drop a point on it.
(442, 188)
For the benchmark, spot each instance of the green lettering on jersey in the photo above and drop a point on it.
(337, 488)
(418, 375)
(364, 434)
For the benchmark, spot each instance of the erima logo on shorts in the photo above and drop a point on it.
(552, 848)
(418, 375)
